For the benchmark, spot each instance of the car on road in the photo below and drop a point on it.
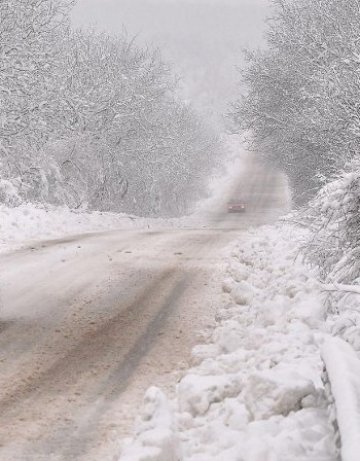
(236, 206)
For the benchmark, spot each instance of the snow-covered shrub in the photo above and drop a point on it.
(332, 244)
(333, 217)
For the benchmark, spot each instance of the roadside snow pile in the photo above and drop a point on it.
(156, 438)
(255, 392)
(34, 222)
(28, 221)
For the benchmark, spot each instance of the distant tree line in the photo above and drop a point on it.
(91, 120)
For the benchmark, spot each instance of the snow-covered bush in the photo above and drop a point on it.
(332, 244)
(333, 217)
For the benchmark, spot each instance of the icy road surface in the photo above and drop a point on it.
(89, 322)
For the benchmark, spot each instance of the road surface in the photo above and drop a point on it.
(89, 322)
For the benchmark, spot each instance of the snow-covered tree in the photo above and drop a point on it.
(129, 132)
(31, 35)
(300, 109)
(90, 119)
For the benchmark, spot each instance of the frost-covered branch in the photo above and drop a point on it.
(340, 288)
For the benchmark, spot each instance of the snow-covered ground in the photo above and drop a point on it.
(257, 390)
(27, 222)
(35, 222)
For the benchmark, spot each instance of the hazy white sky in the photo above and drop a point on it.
(153, 18)
(202, 38)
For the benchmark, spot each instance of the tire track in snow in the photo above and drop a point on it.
(68, 373)
(75, 444)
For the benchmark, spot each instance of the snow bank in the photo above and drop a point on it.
(28, 222)
(343, 369)
(156, 439)
(34, 222)
(255, 392)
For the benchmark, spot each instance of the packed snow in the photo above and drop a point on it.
(257, 390)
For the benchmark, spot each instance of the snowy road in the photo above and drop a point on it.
(89, 322)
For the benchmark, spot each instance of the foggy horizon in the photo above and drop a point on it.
(203, 41)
